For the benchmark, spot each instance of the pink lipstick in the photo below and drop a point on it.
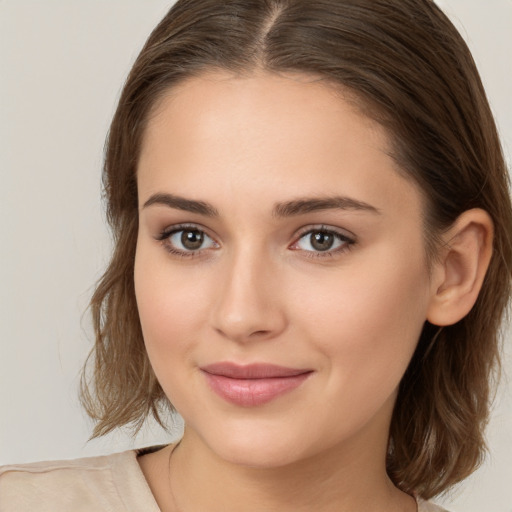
(254, 384)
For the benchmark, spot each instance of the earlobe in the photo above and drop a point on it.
(461, 267)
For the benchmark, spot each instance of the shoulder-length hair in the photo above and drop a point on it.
(410, 71)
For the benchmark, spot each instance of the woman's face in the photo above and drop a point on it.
(280, 270)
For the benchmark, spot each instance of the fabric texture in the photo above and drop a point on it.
(110, 483)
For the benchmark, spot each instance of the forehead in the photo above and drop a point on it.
(277, 99)
(292, 134)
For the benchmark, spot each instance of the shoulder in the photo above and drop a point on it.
(110, 482)
(428, 506)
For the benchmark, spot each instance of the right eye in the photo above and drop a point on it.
(186, 240)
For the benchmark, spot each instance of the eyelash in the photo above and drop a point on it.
(347, 242)
(167, 233)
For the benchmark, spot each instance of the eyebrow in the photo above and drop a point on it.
(307, 205)
(180, 203)
(286, 209)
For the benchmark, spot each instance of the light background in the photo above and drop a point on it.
(62, 65)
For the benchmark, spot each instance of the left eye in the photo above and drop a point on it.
(187, 240)
(322, 241)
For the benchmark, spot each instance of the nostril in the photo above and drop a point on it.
(259, 333)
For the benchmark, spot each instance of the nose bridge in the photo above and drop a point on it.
(247, 305)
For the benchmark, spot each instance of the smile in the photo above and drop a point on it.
(252, 385)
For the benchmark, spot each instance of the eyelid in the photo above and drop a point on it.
(173, 228)
(164, 236)
(345, 236)
(348, 235)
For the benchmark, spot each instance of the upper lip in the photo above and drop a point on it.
(252, 371)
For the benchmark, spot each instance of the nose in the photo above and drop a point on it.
(249, 304)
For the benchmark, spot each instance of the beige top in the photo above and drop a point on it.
(111, 483)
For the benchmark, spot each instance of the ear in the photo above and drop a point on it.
(459, 272)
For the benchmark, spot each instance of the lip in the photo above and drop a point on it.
(254, 384)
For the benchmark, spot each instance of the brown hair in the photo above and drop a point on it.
(413, 73)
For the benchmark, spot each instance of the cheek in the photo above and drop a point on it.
(367, 319)
(170, 306)
(171, 311)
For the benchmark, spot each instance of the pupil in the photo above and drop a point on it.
(192, 239)
(322, 241)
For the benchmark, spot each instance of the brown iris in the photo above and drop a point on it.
(192, 240)
(322, 241)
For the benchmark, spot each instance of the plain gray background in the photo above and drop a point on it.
(62, 65)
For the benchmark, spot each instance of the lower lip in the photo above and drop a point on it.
(253, 392)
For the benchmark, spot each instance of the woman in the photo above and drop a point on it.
(312, 260)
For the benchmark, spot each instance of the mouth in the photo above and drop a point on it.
(254, 384)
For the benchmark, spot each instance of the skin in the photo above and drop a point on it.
(258, 291)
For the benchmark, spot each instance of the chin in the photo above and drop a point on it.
(260, 446)
(262, 457)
